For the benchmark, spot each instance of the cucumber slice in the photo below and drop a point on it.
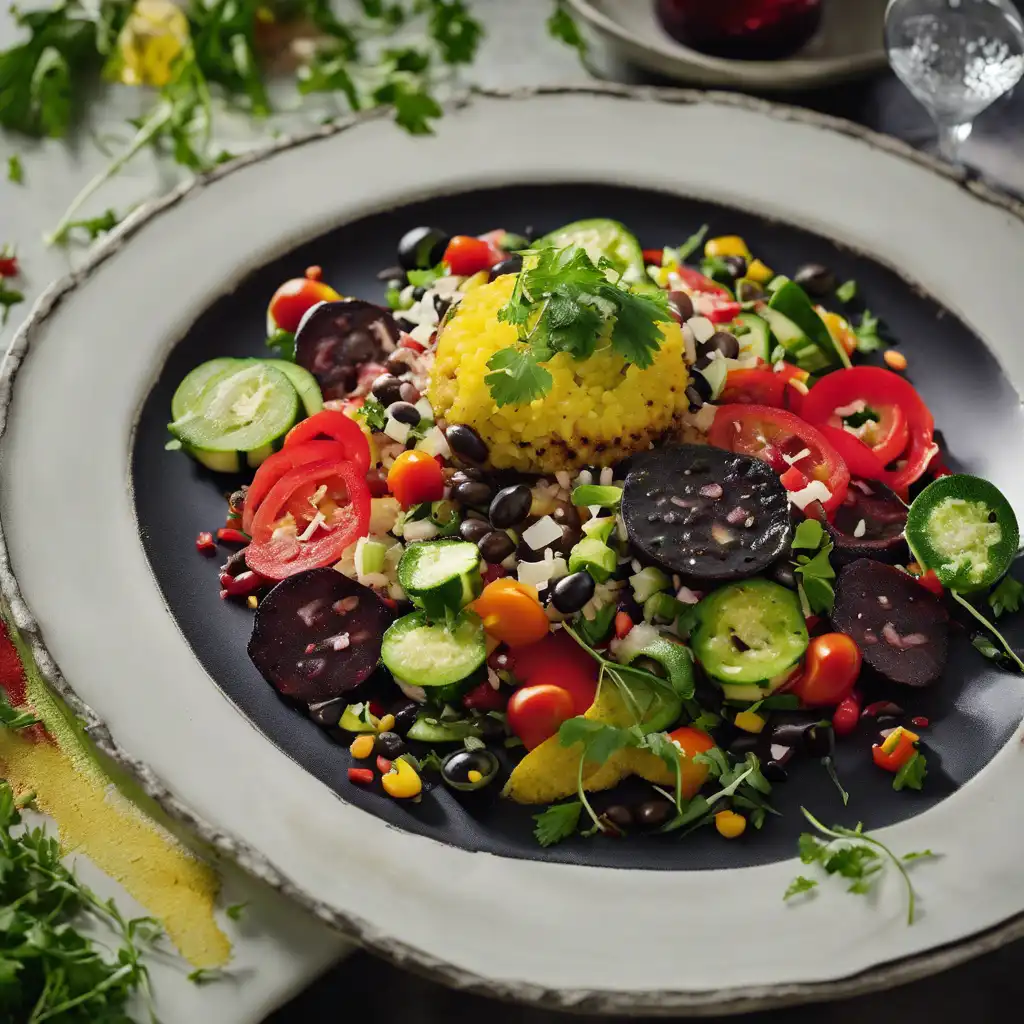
(427, 729)
(800, 349)
(357, 718)
(440, 574)
(434, 656)
(749, 632)
(601, 237)
(304, 383)
(757, 340)
(245, 408)
(793, 302)
(752, 694)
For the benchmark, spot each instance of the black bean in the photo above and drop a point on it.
(820, 740)
(565, 513)
(572, 592)
(405, 324)
(386, 389)
(749, 291)
(418, 293)
(653, 813)
(422, 248)
(397, 363)
(694, 398)
(701, 385)
(328, 714)
(466, 443)
(391, 274)
(405, 716)
(510, 266)
(720, 341)
(511, 505)
(816, 280)
(441, 304)
(496, 546)
(619, 815)
(409, 393)
(702, 363)
(389, 745)
(774, 772)
(404, 413)
(681, 306)
(474, 530)
(789, 730)
(464, 473)
(783, 574)
(474, 493)
(737, 265)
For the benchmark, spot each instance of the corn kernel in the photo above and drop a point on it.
(473, 775)
(730, 824)
(758, 272)
(362, 746)
(726, 245)
(749, 721)
(402, 782)
(895, 360)
(386, 723)
(252, 601)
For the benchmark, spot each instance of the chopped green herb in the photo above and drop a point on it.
(558, 822)
(8, 297)
(562, 27)
(816, 575)
(373, 413)
(15, 172)
(236, 910)
(1006, 596)
(799, 885)
(912, 774)
(425, 278)
(92, 227)
(808, 535)
(847, 291)
(866, 333)
(830, 767)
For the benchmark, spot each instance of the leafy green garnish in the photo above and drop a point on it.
(15, 172)
(283, 343)
(593, 631)
(13, 719)
(563, 303)
(912, 774)
(236, 910)
(425, 278)
(830, 767)
(8, 297)
(847, 291)
(558, 822)
(815, 572)
(866, 333)
(1006, 596)
(984, 646)
(562, 27)
(854, 855)
(1009, 651)
(808, 535)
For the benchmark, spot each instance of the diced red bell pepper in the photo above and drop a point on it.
(931, 582)
(205, 543)
(793, 479)
(896, 750)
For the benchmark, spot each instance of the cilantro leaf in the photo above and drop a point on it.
(562, 27)
(866, 333)
(1006, 596)
(455, 31)
(283, 343)
(912, 774)
(799, 885)
(15, 172)
(636, 334)
(558, 822)
(847, 291)
(830, 767)
(517, 377)
(599, 740)
(816, 575)
(235, 911)
(809, 534)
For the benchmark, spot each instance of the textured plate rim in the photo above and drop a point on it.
(656, 1002)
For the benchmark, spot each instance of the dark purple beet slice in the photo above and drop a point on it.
(317, 635)
(705, 513)
(901, 628)
(884, 517)
(336, 338)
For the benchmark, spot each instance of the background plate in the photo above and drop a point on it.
(597, 937)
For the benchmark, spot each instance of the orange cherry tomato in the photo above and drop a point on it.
(415, 477)
(693, 741)
(512, 612)
(295, 298)
(558, 660)
(830, 670)
(534, 713)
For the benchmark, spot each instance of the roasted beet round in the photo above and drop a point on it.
(336, 338)
(317, 635)
(705, 513)
(884, 519)
(901, 628)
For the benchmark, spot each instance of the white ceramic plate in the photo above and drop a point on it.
(77, 577)
(848, 45)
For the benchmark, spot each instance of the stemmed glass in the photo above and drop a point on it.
(956, 57)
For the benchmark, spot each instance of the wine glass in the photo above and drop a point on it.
(956, 57)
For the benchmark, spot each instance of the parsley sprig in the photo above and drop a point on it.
(564, 302)
(854, 855)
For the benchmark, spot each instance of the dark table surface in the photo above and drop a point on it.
(517, 52)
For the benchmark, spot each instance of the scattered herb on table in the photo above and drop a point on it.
(854, 855)
(982, 647)
(15, 172)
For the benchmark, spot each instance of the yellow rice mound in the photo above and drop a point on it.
(598, 411)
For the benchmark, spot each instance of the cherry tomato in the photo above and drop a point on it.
(769, 434)
(693, 741)
(559, 661)
(754, 387)
(415, 477)
(831, 669)
(896, 400)
(512, 612)
(295, 298)
(466, 255)
(534, 713)
(290, 533)
(333, 425)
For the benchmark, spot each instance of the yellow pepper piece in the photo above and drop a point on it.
(726, 245)
(730, 824)
(749, 721)
(153, 37)
(402, 782)
(891, 741)
(758, 272)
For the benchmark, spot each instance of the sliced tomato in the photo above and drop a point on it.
(778, 437)
(308, 519)
(754, 387)
(333, 425)
(288, 458)
(905, 429)
(859, 458)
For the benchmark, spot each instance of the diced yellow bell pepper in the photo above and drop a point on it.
(758, 272)
(749, 721)
(726, 245)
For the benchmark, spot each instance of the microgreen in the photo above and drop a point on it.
(564, 302)
(830, 767)
(854, 855)
(1006, 596)
(847, 291)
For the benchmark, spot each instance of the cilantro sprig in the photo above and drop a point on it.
(853, 854)
(815, 572)
(564, 302)
(1006, 596)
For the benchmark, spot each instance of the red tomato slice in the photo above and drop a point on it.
(284, 539)
(557, 659)
(773, 435)
(859, 458)
(754, 387)
(282, 462)
(335, 426)
(897, 400)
